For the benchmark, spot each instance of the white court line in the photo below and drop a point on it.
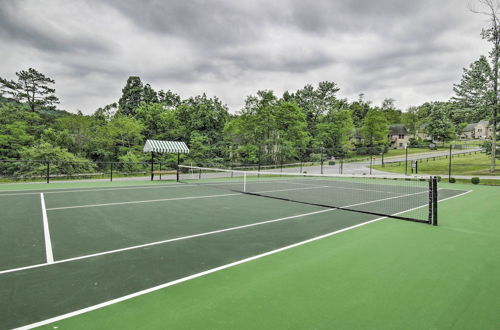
(192, 236)
(138, 202)
(77, 190)
(210, 271)
(46, 232)
(172, 199)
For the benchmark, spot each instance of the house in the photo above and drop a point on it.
(480, 130)
(468, 131)
(398, 136)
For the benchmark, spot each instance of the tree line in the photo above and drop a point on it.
(270, 128)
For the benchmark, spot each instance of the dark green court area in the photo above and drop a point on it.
(76, 246)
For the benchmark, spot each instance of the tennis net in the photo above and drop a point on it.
(401, 197)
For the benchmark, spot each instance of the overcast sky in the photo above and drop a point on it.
(412, 51)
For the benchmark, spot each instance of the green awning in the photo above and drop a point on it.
(166, 146)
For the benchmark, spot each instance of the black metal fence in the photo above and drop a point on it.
(53, 170)
(446, 161)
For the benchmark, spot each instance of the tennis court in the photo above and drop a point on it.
(69, 248)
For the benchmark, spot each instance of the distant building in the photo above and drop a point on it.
(481, 130)
(399, 136)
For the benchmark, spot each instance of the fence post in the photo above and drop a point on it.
(160, 170)
(48, 171)
(111, 173)
(406, 160)
(258, 165)
(449, 164)
(341, 165)
(383, 165)
(371, 161)
(321, 160)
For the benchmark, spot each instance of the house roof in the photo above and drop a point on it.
(397, 129)
(469, 127)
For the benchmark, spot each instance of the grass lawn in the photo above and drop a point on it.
(475, 164)
(386, 275)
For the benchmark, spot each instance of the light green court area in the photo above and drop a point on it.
(384, 274)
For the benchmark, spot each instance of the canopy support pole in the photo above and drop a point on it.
(178, 162)
(152, 160)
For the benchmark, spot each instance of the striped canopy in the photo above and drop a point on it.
(166, 146)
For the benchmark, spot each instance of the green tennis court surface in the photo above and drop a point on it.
(110, 241)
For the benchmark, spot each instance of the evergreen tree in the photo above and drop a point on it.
(32, 88)
(149, 94)
(132, 96)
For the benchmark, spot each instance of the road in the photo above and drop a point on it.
(363, 167)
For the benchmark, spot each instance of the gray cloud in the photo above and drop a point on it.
(412, 51)
(17, 26)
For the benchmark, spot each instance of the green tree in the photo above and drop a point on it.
(375, 129)
(392, 115)
(492, 35)
(81, 128)
(149, 95)
(359, 109)
(439, 126)
(106, 113)
(336, 131)
(411, 121)
(132, 96)
(315, 102)
(159, 121)
(32, 88)
(204, 115)
(62, 161)
(474, 94)
(169, 99)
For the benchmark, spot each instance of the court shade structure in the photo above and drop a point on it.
(160, 146)
(166, 146)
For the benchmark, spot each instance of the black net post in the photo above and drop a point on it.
(160, 168)
(111, 172)
(341, 165)
(431, 194)
(47, 174)
(416, 166)
(434, 201)
(449, 164)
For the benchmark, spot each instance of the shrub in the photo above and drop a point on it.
(438, 178)
(474, 180)
(452, 180)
